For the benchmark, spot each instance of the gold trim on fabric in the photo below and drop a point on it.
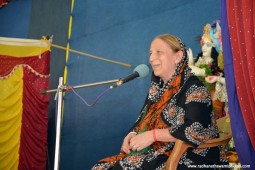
(23, 66)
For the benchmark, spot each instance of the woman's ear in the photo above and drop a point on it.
(179, 55)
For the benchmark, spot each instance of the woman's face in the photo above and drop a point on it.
(163, 59)
(206, 47)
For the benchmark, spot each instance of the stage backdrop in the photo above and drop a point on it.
(120, 31)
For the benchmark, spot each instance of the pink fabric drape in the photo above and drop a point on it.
(241, 19)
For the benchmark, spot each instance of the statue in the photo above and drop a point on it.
(209, 67)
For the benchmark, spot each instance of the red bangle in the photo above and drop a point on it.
(154, 135)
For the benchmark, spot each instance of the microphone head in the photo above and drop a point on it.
(142, 70)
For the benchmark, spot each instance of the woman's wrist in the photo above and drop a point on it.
(154, 135)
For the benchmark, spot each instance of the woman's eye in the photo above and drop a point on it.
(156, 53)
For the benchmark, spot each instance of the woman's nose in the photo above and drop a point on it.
(152, 57)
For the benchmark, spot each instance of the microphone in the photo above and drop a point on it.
(141, 70)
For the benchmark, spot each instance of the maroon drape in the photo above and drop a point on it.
(33, 153)
(241, 19)
(3, 2)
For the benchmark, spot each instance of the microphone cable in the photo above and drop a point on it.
(84, 101)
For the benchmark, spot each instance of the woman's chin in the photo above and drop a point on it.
(156, 74)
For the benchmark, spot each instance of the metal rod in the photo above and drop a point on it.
(65, 88)
(58, 126)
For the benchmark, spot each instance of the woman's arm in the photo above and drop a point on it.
(145, 139)
(162, 135)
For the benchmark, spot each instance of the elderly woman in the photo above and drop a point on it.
(178, 106)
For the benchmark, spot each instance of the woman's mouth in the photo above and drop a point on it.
(155, 66)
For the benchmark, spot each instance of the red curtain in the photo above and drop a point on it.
(24, 72)
(33, 142)
(241, 19)
(3, 2)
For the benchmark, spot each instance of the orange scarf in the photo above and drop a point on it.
(151, 119)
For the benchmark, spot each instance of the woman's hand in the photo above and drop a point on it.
(126, 142)
(141, 141)
(137, 142)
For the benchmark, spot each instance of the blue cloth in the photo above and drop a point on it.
(242, 142)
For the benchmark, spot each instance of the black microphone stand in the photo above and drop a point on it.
(59, 94)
